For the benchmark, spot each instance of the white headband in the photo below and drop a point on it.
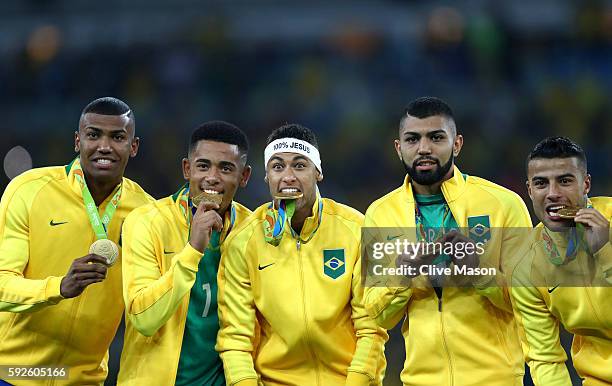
(293, 145)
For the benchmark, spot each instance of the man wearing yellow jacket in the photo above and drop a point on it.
(172, 253)
(52, 313)
(453, 335)
(567, 274)
(290, 282)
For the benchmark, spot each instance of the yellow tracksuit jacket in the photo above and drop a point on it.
(301, 301)
(159, 270)
(468, 337)
(585, 311)
(43, 228)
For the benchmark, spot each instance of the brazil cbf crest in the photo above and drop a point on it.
(479, 228)
(333, 262)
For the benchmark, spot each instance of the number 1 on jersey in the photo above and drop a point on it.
(207, 291)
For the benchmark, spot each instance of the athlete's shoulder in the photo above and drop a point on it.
(258, 215)
(500, 193)
(334, 208)
(154, 206)
(603, 204)
(249, 225)
(136, 191)
(31, 181)
(387, 201)
(242, 212)
(242, 215)
(151, 210)
(48, 172)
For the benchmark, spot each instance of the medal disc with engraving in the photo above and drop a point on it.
(214, 198)
(288, 195)
(568, 212)
(105, 248)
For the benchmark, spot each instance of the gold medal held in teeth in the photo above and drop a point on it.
(213, 198)
(288, 195)
(568, 212)
(105, 248)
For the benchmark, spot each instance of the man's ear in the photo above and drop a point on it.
(77, 141)
(587, 184)
(246, 174)
(319, 176)
(398, 149)
(457, 145)
(529, 189)
(186, 168)
(134, 147)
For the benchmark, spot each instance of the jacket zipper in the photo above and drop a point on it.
(306, 333)
(587, 291)
(448, 357)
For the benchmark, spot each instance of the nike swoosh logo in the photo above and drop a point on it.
(389, 238)
(167, 252)
(550, 290)
(57, 223)
(260, 267)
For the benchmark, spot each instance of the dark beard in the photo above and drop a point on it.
(428, 177)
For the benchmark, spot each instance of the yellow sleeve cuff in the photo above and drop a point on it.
(52, 289)
(357, 379)
(247, 382)
(190, 257)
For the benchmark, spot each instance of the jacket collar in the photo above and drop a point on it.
(452, 188)
(312, 222)
(75, 186)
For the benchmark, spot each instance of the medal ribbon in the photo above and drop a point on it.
(100, 225)
(574, 244)
(422, 230)
(274, 223)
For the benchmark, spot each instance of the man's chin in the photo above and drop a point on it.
(105, 175)
(558, 226)
(426, 178)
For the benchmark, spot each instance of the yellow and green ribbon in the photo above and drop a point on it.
(275, 221)
(575, 243)
(99, 224)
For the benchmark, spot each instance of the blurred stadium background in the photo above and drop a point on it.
(514, 72)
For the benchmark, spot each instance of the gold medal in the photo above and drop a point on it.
(288, 195)
(214, 198)
(105, 248)
(569, 212)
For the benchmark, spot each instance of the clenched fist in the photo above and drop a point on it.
(204, 221)
(83, 271)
